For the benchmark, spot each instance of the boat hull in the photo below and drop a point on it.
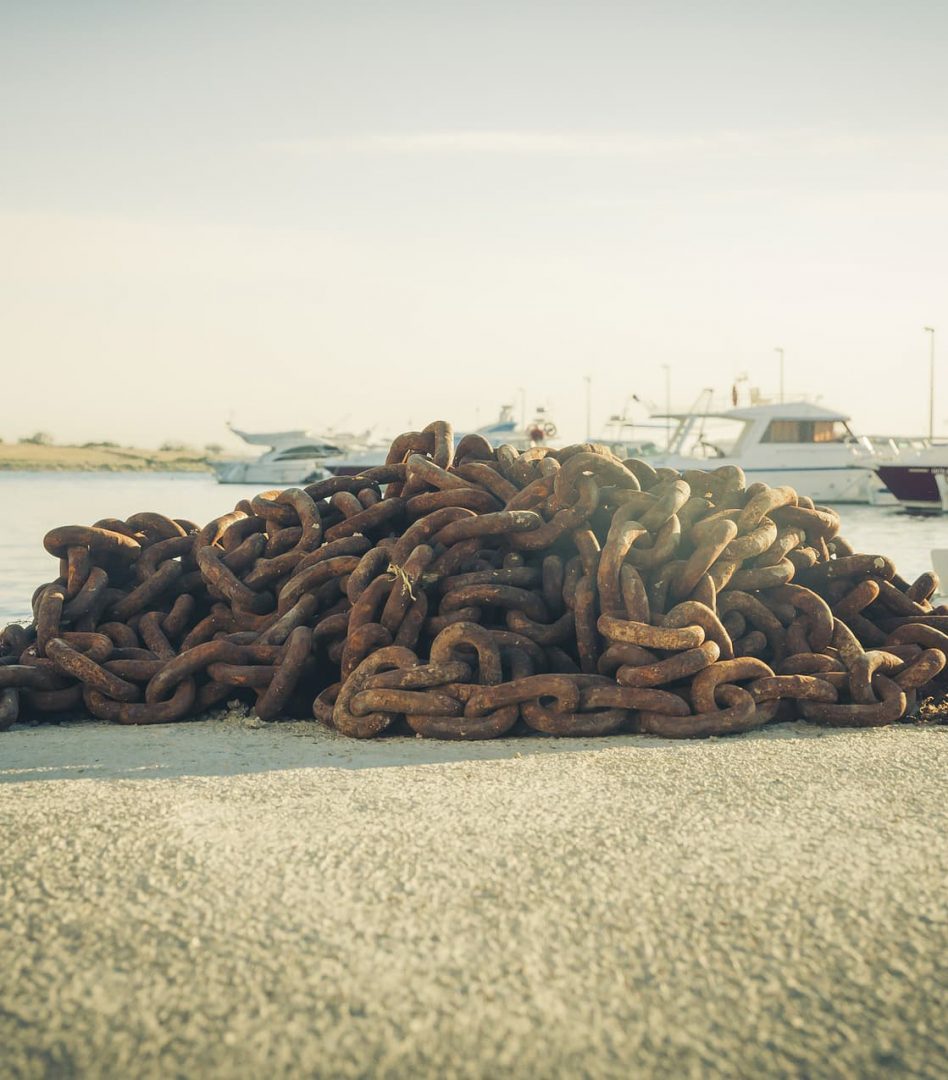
(823, 484)
(269, 473)
(922, 489)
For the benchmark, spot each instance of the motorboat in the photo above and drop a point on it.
(291, 456)
(917, 476)
(797, 443)
(889, 450)
(505, 430)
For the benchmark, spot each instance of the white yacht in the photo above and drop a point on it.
(797, 443)
(291, 456)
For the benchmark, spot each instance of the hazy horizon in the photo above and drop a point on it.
(368, 216)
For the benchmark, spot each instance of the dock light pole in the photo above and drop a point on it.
(930, 330)
(668, 408)
(780, 350)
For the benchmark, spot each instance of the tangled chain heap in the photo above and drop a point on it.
(566, 589)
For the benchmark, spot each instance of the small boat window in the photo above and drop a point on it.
(806, 431)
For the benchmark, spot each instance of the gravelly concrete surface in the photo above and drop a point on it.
(213, 900)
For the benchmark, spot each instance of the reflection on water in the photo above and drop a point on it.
(37, 502)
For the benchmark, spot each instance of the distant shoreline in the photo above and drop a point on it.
(30, 457)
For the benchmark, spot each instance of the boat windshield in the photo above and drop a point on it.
(709, 436)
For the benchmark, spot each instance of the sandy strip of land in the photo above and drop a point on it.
(99, 457)
(226, 899)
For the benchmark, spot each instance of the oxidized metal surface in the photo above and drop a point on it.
(464, 593)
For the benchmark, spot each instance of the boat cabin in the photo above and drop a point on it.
(732, 433)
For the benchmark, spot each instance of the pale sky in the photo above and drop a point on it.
(358, 214)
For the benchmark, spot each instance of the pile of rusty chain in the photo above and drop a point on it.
(464, 590)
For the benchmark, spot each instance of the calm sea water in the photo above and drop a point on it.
(38, 502)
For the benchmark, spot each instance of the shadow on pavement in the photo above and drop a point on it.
(90, 750)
